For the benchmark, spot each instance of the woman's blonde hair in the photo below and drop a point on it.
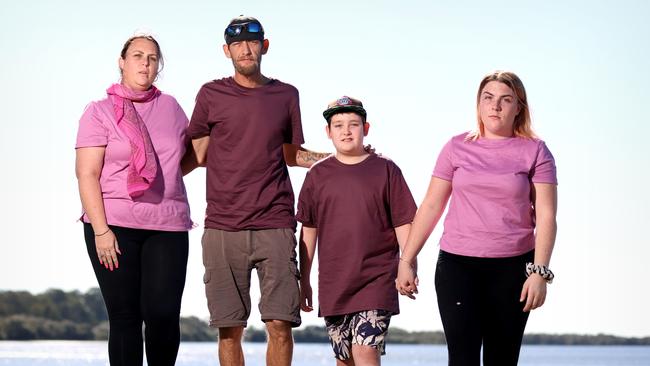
(522, 125)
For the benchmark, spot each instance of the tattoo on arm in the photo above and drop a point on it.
(306, 157)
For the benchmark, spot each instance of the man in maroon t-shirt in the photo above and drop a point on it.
(359, 208)
(246, 129)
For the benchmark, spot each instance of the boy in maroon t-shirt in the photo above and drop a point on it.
(359, 208)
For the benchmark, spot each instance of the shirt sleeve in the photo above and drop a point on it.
(402, 205)
(544, 170)
(444, 168)
(199, 126)
(306, 212)
(181, 119)
(91, 132)
(295, 133)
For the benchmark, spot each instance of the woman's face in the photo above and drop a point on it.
(140, 64)
(498, 107)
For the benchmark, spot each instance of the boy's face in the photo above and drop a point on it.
(346, 130)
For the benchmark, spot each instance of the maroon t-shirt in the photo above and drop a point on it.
(355, 209)
(248, 185)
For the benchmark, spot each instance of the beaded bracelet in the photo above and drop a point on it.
(541, 270)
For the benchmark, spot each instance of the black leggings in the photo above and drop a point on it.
(147, 287)
(478, 299)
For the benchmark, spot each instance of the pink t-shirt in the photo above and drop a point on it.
(491, 213)
(164, 205)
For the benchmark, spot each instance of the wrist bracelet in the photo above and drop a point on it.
(541, 270)
(107, 230)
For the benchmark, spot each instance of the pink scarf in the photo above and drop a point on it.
(142, 164)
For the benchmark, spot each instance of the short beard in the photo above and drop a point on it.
(247, 70)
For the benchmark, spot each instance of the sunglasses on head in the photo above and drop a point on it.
(236, 29)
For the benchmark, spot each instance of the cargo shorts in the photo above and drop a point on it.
(229, 258)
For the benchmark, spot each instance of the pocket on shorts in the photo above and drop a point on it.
(292, 244)
(295, 270)
(203, 254)
(207, 276)
(211, 247)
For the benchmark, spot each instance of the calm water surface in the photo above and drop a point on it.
(71, 353)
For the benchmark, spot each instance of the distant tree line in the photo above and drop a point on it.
(56, 314)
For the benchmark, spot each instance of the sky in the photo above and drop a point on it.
(416, 67)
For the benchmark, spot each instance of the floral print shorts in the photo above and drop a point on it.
(364, 328)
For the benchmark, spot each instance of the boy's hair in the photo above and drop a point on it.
(345, 104)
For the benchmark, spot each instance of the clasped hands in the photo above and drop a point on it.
(407, 281)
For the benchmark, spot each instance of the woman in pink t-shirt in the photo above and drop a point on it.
(136, 215)
(499, 229)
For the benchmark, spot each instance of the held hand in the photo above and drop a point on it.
(306, 303)
(407, 281)
(533, 292)
(107, 250)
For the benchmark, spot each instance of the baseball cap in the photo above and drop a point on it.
(344, 104)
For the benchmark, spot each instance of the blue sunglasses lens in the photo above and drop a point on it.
(253, 27)
(233, 30)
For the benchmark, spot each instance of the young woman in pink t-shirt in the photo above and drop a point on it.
(136, 215)
(499, 229)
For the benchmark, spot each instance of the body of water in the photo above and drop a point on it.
(87, 353)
